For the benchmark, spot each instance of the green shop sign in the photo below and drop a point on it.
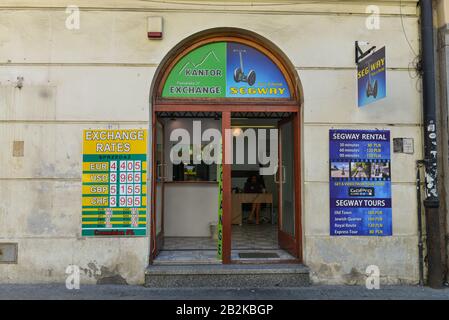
(225, 70)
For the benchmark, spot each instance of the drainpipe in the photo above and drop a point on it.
(435, 244)
(419, 163)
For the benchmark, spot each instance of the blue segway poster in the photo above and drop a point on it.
(360, 183)
(251, 74)
(371, 78)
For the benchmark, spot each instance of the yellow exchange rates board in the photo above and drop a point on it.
(114, 182)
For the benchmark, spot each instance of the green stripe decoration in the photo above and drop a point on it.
(220, 211)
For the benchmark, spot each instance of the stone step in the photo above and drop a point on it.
(185, 262)
(186, 257)
(233, 275)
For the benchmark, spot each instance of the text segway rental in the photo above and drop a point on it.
(239, 73)
(371, 88)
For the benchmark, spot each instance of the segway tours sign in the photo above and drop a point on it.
(114, 183)
(371, 78)
(225, 70)
(360, 183)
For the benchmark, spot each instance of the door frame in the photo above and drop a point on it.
(295, 117)
(292, 244)
(226, 106)
(226, 112)
(155, 239)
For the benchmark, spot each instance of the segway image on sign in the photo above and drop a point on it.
(371, 78)
(239, 74)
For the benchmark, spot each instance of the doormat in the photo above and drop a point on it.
(258, 255)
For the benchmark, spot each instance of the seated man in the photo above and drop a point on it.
(254, 185)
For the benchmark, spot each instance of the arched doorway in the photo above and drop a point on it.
(232, 76)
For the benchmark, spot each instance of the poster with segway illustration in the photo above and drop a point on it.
(226, 69)
(250, 73)
(360, 183)
(371, 78)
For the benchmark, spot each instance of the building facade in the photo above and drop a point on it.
(58, 78)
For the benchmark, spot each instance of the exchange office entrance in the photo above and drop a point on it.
(243, 209)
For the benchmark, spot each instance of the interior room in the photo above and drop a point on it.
(255, 236)
(190, 195)
(187, 193)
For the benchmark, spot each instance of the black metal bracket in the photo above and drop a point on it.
(359, 54)
(420, 163)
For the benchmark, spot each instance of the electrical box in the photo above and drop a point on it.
(17, 148)
(8, 252)
(403, 145)
(154, 28)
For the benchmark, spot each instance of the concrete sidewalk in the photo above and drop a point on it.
(58, 291)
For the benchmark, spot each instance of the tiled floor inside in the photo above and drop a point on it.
(251, 236)
(246, 238)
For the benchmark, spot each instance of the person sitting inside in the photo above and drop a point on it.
(254, 185)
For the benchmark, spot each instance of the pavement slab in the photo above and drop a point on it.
(130, 292)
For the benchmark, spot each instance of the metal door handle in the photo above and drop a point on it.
(161, 171)
(158, 171)
(276, 174)
(283, 175)
(277, 177)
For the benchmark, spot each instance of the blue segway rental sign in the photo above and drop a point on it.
(360, 183)
(371, 78)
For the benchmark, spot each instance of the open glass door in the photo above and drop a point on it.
(158, 216)
(287, 231)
